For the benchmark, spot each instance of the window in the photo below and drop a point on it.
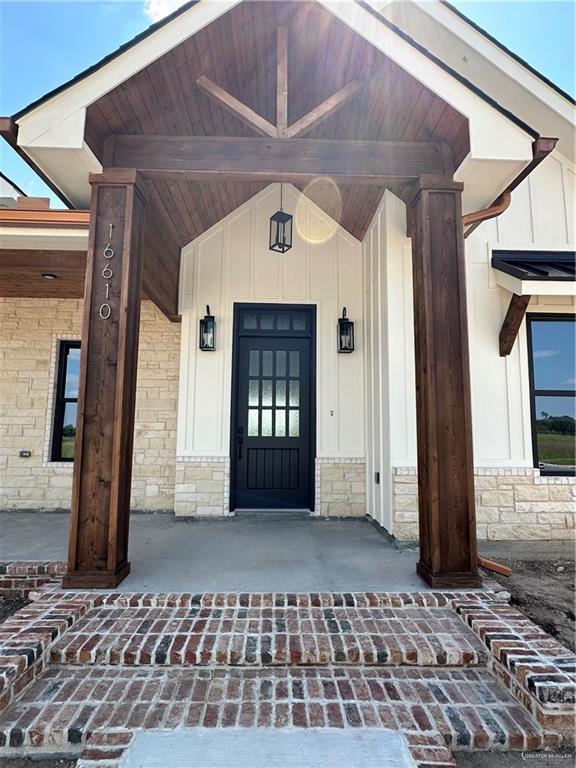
(551, 343)
(66, 404)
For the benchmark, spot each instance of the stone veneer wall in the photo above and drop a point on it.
(340, 487)
(510, 504)
(29, 333)
(203, 487)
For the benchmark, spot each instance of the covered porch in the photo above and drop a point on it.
(247, 553)
(163, 150)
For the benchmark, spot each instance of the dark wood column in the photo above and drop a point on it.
(98, 547)
(448, 555)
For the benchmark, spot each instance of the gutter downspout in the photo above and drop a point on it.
(498, 207)
(541, 148)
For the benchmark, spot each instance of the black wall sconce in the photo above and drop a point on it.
(280, 229)
(207, 332)
(345, 333)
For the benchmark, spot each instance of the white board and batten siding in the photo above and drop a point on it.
(541, 217)
(231, 263)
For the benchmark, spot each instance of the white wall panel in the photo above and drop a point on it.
(232, 263)
(541, 216)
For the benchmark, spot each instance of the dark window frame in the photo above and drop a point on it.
(534, 393)
(60, 400)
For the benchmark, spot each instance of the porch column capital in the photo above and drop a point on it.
(120, 177)
(432, 182)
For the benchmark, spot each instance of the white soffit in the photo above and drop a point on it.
(444, 33)
(38, 238)
(53, 133)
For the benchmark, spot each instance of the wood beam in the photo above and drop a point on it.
(290, 160)
(323, 111)
(98, 547)
(448, 555)
(231, 104)
(512, 322)
(282, 82)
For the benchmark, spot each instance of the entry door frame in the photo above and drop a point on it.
(239, 307)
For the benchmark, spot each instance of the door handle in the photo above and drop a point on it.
(240, 440)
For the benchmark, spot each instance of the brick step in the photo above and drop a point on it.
(467, 707)
(195, 635)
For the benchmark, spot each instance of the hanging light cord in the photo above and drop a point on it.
(281, 185)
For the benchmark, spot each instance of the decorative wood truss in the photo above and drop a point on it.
(512, 322)
(263, 127)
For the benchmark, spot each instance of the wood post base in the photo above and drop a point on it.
(95, 579)
(447, 581)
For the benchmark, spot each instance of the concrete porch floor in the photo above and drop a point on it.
(258, 552)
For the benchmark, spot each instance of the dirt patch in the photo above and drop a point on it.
(10, 604)
(38, 762)
(544, 591)
(564, 759)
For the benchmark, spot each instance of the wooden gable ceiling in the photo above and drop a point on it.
(238, 52)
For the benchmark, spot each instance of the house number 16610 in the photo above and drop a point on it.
(105, 309)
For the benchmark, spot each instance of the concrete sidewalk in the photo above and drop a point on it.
(268, 552)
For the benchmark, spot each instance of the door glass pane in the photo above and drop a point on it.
(294, 423)
(252, 422)
(553, 353)
(266, 423)
(267, 363)
(280, 427)
(294, 392)
(283, 323)
(267, 322)
(72, 372)
(253, 398)
(281, 363)
(298, 322)
(267, 392)
(250, 322)
(69, 431)
(555, 433)
(280, 392)
(254, 362)
(294, 363)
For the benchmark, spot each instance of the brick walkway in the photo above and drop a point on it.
(85, 672)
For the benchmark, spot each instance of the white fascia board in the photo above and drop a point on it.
(535, 287)
(69, 168)
(484, 63)
(495, 55)
(492, 135)
(52, 134)
(50, 114)
(485, 180)
(43, 238)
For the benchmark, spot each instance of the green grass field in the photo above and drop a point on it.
(68, 446)
(556, 449)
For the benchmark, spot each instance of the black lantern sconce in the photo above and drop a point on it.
(345, 333)
(281, 229)
(208, 332)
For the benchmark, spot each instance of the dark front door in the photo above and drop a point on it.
(272, 414)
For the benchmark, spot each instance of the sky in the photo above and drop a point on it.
(44, 43)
